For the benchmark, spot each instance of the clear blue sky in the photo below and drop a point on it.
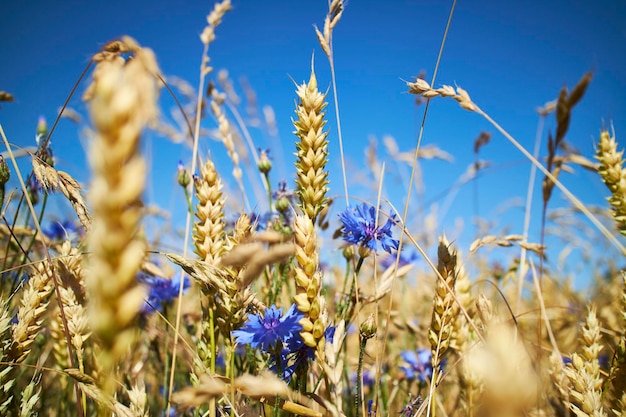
(511, 56)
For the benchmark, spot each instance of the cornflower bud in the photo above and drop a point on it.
(368, 328)
(183, 176)
(42, 129)
(264, 165)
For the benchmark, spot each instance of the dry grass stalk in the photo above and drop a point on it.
(308, 279)
(335, 10)
(564, 105)
(445, 309)
(226, 134)
(208, 234)
(614, 176)
(422, 88)
(124, 101)
(213, 20)
(312, 148)
(584, 371)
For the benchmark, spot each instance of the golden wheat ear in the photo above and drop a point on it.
(123, 103)
(312, 148)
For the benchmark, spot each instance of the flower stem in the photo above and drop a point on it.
(266, 176)
(359, 375)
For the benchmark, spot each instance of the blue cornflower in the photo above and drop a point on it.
(419, 364)
(359, 228)
(297, 354)
(162, 291)
(61, 230)
(265, 332)
(33, 187)
(407, 256)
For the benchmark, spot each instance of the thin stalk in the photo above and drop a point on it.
(412, 179)
(194, 158)
(359, 376)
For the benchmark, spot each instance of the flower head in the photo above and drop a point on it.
(407, 256)
(161, 291)
(62, 230)
(182, 175)
(265, 332)
(360, 228)
(419, 364)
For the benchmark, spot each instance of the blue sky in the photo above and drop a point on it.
(511, 56)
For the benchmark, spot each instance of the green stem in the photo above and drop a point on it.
(359, 375)
(347, 313)
(266, 176)
(212, 408)
(433, 405)
(188, 199)
(34, 237)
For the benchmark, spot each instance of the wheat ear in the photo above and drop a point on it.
(309, 284)
(208, 239)
(617, 374)
(33, 305)
(445, 309)
(312, 148)
(614, 176)
(584, 371)
(7, 376)
(208, 234)
(124, 101)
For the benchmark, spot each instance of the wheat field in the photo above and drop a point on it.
(306, 302)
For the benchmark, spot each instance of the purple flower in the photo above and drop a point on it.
(61, 230)
(419, 364)
(359, 228)
(266, 332)
(162, 291)
(407, 256)
(33, 187)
